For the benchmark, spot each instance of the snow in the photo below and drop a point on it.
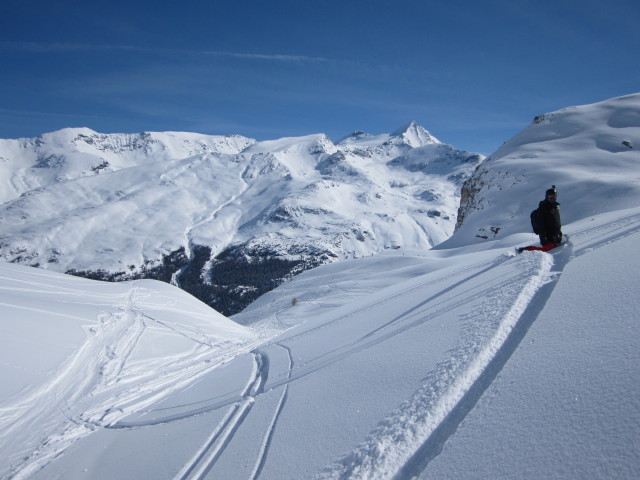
(566, 403)
(464, 361)
(70, 344)
(523, 364)
(79, 200)
(578, 149)
(72, 153)
(415, 135)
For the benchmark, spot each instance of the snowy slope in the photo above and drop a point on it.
(161, 202)
(566, 403)
(582, 150)
(31, 163)
(380, 362)
(464, 361)
(74, 351)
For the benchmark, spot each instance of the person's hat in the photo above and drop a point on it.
(551, 191)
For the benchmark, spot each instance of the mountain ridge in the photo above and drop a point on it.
(117, 207)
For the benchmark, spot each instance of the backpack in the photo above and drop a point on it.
(535, 222)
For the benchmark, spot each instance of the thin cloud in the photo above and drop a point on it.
(38, 47)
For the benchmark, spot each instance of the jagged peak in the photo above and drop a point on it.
(415, 135)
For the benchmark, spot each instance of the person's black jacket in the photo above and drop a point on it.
(549, 217)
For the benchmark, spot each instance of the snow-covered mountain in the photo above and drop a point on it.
(582, 150)
(30, 163)
(465, 361)
(226, 218)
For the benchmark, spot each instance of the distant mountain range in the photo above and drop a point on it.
(226, 218)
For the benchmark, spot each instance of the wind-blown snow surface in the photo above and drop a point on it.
(465, 361)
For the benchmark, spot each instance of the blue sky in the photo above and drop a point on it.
(474, 73)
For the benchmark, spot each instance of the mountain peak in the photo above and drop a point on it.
(415, 135)
(354, 136)
(69, 133)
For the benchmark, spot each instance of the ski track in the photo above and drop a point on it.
(266, 444)
(424, 312)
(92, 390)
(436, 296)
(118, 336)
(611, 231)
(222, 435)
(239, 408)
(416, 316)
(38, 310)
(394, 450)
(394, 296)
(403, 444)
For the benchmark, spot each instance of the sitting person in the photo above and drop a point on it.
(546, 223)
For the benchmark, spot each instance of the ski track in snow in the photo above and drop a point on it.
(621, 227)
(484, 265)
(240, 406)
(391, 448)
(402, 445)
(264, 448)
(97, 364)
(104, 388)
(412, 318)
(204, 460)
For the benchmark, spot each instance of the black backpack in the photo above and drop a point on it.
(535, 222)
